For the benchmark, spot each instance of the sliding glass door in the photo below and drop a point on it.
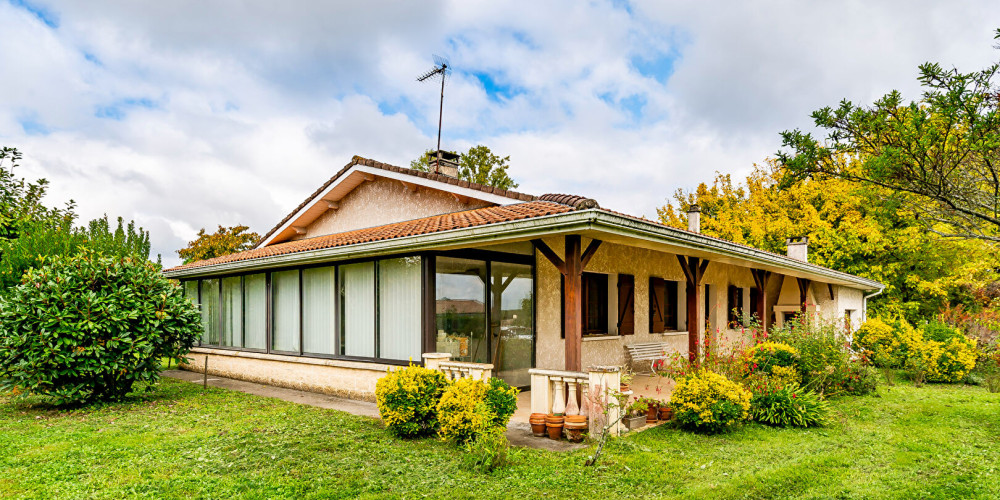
(461, 309)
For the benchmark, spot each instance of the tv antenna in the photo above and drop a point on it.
(442, 69)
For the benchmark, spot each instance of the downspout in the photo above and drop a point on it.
(864, 307)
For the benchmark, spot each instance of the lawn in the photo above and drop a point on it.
(937, 441)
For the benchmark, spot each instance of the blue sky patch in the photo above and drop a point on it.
(92, 58)
(50, 18)
(496, 90)
(118, 109)
(659, 67)
(32, 125)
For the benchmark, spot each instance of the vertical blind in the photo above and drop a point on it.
(318, 310)
(357, 296)
(210, 311)
(255, 311)
(285, 311)
(399, 308)
(232, 312)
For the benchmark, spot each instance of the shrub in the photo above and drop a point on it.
(502, 401)
(463, 411)
(764, 357)
(408, 398)
(825, 358)
(788, 406)
(705, 401)
(489, 450)
(88, 328)
(948, 361)
(939, 332)
(887, 344)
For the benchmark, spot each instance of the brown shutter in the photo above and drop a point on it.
(670, 305)
(626, 304)
(657, 294)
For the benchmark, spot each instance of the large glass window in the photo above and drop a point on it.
(210, 311)
(255, 311)
(191, 290)
(232, 312)
(318, 307)
(399, 287)
(511, 313)
(461, 309)
(357, 306)
(285, 311)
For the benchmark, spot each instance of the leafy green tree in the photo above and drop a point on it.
(21, 201)
(852, 228)
(225, 241)
(941, 152)
(478, 165)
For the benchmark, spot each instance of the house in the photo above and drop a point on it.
(382, 264)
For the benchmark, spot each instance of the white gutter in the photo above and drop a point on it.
(864, 303)
(547, 225)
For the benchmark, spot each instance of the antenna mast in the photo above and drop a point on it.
(442, 68)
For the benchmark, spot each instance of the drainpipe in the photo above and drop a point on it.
(864, 307)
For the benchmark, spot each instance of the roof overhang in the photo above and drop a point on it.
(596, 223)
(356, 175)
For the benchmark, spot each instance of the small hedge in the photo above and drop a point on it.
(708, 402)
(948, 361)
(764, 357)
(88, 328)
(471, 408)
(887, 343)
(408, 399)
(502, 401)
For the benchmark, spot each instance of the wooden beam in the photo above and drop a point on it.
(574, 303)
(760, 278)
(684, 267)
(550, 254)
(368, 177)
(701, 270)
(589, 252)
(803, 291)
(829, 287)
(332, 205)
(299, 229)
(694, 270)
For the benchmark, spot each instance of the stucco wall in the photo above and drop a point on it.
(328, 376)
(384, 201)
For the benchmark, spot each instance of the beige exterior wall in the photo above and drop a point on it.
(349, 379)
(384, 201)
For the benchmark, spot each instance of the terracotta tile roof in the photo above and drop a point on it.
(358, 160)
(434, 224)
(575, 201)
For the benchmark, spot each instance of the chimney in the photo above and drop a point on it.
(694, 219)
(798, 248)
(447, 165)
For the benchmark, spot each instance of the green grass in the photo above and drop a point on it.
(937, 441)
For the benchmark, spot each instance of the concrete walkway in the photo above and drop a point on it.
(518, 433)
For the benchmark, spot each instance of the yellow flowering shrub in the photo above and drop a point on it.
(463, 411)
(705, 401)
(766, 356)
(408, 398)
(948, 361)
(887, 344)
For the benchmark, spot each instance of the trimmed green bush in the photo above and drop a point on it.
(502, 401)
(88, 328)
(788, 406)
(408, 398)
(708, 402)
(463, 411)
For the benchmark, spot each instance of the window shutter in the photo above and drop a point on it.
(670, 305)
(626, 304)
(657, 294)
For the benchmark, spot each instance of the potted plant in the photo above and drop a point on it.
(626, 380)
(666, 412)
(651, 407)
(575, 425)
(554, 424)
(635, 415)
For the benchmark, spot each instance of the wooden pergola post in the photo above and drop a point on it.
(760, 278)
(571, 267)
(803, 292)
(694, 271)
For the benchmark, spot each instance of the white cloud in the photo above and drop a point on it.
(188, 114)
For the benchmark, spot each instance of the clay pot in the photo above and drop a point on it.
(666, 413)
(537, 421)
(554, 424)
(651, 414)
(624, 388)
(575, 427)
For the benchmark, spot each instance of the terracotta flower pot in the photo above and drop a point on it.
(575, 426)
(554, 424)
(537, 421)
(624, 388)
(666, 413)
(651, 414)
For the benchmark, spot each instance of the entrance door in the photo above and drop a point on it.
(511, 326)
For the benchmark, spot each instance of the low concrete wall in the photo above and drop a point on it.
(336, 377)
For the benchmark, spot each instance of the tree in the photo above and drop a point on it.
(941, 152)
(854, 228)
(478, 165)
(225, 241)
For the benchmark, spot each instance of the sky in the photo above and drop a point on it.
(190, 114)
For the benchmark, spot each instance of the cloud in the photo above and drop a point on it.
(186, 114)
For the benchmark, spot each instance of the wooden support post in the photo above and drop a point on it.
(694, 270)
(803, 292)
(574, 303)
(760, 278)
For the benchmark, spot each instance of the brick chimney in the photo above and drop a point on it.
(694, 219)
(447, 165)
(798, 248)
